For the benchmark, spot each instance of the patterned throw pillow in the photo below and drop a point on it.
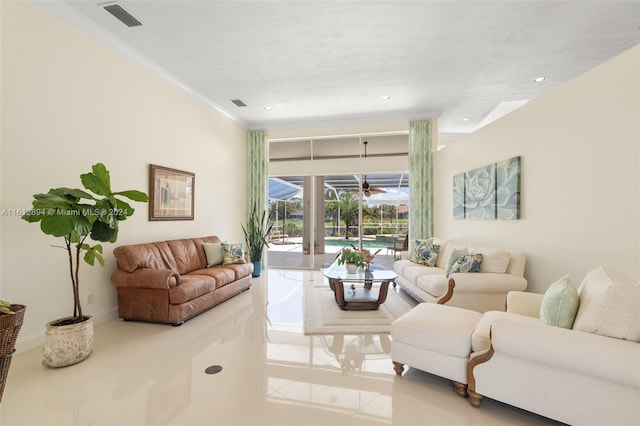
(233, 253)
(425, 252)
(467, 263)
(453, 257)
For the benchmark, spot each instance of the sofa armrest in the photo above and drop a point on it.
(487, 282)
(606, 358)
(146, 278)
(523, 303)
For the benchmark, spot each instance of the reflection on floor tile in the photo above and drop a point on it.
(154, 374)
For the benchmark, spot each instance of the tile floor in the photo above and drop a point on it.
(154, 374)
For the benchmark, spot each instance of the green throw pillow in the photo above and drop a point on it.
(560, 304)
(233, 253)
(455, 255)
(466, 263)
(425, 253)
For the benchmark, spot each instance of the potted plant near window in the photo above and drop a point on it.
(255, 236)
(11, 318)
(78, 216)
(352, 258)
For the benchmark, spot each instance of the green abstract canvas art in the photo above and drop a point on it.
(480, 193)
(458, 196)
(488, 192)
(508, 189)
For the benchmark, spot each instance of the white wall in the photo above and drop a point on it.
(580, 180)
(69, 102)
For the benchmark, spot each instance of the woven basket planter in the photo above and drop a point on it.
(9, 328)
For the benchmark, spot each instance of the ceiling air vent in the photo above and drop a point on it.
(122, 15)
(238, 103)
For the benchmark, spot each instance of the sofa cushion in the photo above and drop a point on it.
(241, 270)
(233, 253)
(445, 252)
(438, 328)
(559, 304)
(400, 265)
(480, 340)
(413, 273)
(434, 284)
(191, 286)
(220, 273)
(467, 263)
(494, 260)
(453, 257)
(609, 305)
(213, 253)
(189, 254)
(150, 255)
(425, 252)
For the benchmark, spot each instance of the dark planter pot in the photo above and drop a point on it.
(257, 268)
(9, 328)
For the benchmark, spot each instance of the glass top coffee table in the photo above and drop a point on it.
(360, 295)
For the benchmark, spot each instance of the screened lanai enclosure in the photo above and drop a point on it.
(316, 216)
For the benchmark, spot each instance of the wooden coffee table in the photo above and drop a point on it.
(360, 295)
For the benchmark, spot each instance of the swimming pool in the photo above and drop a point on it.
(365, 243)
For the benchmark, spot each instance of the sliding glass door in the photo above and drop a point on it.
(286, 209)
(316, 216)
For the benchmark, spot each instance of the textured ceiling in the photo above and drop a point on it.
(329, 62)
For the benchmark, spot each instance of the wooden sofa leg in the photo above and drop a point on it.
(398, 367)
(475, 399)
(461, 389)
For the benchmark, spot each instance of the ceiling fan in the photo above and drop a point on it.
(368, 190)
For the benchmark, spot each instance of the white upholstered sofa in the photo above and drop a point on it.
(501, 271)
(586, 374)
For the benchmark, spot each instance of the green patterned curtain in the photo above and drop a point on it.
(258, 154)
(421, 133)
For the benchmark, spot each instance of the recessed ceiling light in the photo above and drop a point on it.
(539, 79)
(268, 108)
(465, 119)
(386, 97)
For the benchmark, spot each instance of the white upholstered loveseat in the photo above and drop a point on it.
(588, 374)
(501, 271)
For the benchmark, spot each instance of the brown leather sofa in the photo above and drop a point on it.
(169, 281)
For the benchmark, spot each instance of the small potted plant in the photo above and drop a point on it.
(352, 258)
(255, 236)
(11, 318)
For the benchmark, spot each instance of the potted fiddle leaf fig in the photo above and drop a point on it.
(255, 236)
(79, 216)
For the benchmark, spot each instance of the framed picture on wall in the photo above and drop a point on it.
(171, 193)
